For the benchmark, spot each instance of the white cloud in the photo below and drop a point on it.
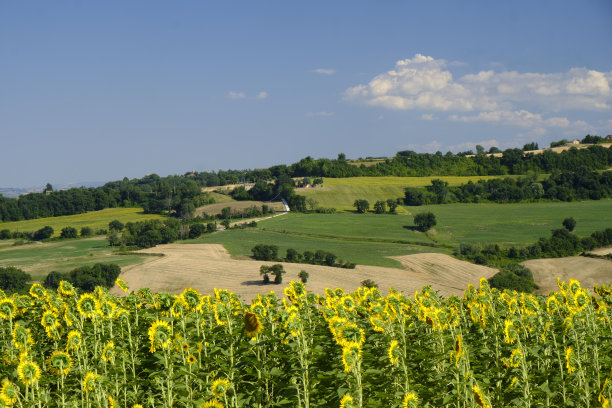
(242, 95)
(505, 98)
(487, 144)
(236, 95)
(325, 71)
(428, 116)
(324, 114)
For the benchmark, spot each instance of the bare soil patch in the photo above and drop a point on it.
(208, 266)
(589, 271)
(602, 251)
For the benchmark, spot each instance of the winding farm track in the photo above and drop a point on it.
(208, 266)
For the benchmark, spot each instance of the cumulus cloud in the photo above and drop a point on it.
(428, 116)
(325, 71)
(262, 95)
(506, 98)
(487, 144)
(430, 147)
(236, 95)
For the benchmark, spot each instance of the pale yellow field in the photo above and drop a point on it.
(215, 209)
(588, 271)
(205, 266)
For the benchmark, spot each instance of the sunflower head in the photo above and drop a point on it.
(394, 352)
(160, 335)
(351, 356)
(38, 291)
(29, 372)
(211, 404)
(347, 402)
(220, 387)
(88, 306)
(22, 337)
(65, 288)
(8, 309)
(10, 392)
(89, 381)
(410, 400)
(122, 285)
(252, 325)
(108, 352)
(480, 398)
(74, 340)
(191, 359)
(59, 362)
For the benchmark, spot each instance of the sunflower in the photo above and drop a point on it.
(480, 398)
(252, 325)
(351, 355)
(38, 291)
(65, 288)
(88, 306)
(22, 337)
(394, 352)
(89, 381)
(350, 333)
(347, 402)
(191, 298)
(191, 359)
(29, 372)
(410, 400)
(59, 362)
(122, 285)
(8, 308)
(108, 353)
(212, 404)
(49, 320)
(569, 357)
(515, 358)
(137, 406)
(160, 335)
(111, 402)
(10, 392)
(510, 331)
(74, 340)
(220, 387)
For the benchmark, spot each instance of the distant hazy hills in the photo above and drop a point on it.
(13, 192)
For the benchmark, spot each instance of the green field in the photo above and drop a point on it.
(93, 219)
(370, 238)
(341, 193)
(519, 224)
(38, 259)
(240, 242)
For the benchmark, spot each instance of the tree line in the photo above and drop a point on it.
(265, 252)
(180, 194)
(582, 184)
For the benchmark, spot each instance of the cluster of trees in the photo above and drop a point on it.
(227, 213)
(362, 206)
(582, 184)
(47, 232)
(282, 187)
(86, 277)
(276, 270)
(147, 234)
(264, 252)
(14, 280)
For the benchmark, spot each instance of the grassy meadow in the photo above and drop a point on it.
(93, 219)
(38, 259)
(341, 193)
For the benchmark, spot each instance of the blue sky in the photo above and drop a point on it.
(95, 91)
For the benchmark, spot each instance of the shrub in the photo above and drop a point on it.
(263, 252)
(86, 231)
(5, 234)
(362, 206)
(116, 225)
(303, 275)
(43, 233)
(369, 283)
(196, 230)
(68, 232)
(569, 224)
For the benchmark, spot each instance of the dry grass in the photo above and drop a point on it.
(206, 266)
(588, 271)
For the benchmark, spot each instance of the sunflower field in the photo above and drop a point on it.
(338, 349)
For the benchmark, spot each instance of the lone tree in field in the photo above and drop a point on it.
(569, 224)
(425, 221)
(264, 270)
(303, 275)
(380, 207)
(362, 206)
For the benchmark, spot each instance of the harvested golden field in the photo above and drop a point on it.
(588, 271)
(208, 266)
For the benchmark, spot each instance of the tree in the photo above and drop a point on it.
(439, 188)
(113, 238)
(425, 221)
(264, 270)
(13, 279)
(43, 233)
(380, 207)
(115, 225)
(211, 227)
(413, 196)
(480, 149)
(196, 230)
(292, 255)
(68, 232)
(263, 252)
(5, 234)
(311, 203)
(530, 146)
(569, 224)
(369, 283)
(226, 224)
(53, 279)
(303, 275)
(48, 188)
(392, 204)
(362, 206)
(278, 271)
